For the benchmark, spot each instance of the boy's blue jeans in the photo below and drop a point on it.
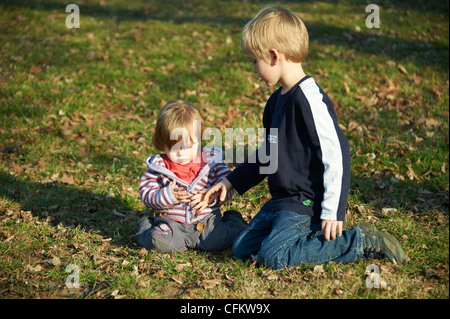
(285, 238)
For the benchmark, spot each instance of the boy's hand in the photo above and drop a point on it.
(198, 201)
(180, 193)
(201, 200)
(329, 228)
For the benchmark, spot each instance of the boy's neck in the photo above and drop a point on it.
(292, 73)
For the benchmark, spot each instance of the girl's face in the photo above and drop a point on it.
(183, 152)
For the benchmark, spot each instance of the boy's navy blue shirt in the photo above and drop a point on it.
(312, 153)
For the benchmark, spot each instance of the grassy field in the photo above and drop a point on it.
(78, 109)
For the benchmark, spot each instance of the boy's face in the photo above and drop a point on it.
(183, 152)
(267, 72)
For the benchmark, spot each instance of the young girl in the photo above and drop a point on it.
(173, 177)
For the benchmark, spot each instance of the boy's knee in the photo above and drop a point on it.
(270, 261)
(241, 251)
(237, 252)
(270, 256)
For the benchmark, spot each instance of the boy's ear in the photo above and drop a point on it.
(275, 56)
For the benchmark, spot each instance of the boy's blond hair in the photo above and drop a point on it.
(180, 118)
(275, 27)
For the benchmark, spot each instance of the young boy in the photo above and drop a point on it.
(173, 177)
(310, 186)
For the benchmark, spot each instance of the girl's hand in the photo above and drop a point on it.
(179, 192)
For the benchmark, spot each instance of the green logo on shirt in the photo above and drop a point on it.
(307, 202)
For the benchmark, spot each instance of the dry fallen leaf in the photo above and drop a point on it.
(146, 69)
(55, 261)
(437, 272)
(177, 279)
(318, 269)
(35, 69)
(384, 285)
(115, 295)
(159, 274)
(66, 179)
(270, 275)
(346, 87)
(135, 271)
(180, 267)
(115, 212)
(402, 69)
(190, 92)
(388, 210)
(138, 37)
(339, 292)
(37, 268)
(89, 36)
(411, 174)
(210, 283)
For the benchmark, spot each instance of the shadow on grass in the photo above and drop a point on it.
(64, 204)
(213, 13)
(170, 7)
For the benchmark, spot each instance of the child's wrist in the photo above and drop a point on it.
(227, 184)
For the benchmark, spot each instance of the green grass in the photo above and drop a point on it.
(78, 109)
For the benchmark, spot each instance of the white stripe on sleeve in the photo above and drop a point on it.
(330, 148)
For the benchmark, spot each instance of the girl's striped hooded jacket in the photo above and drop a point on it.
(155, 192)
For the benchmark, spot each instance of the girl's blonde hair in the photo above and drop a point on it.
(275, 27)
(182, 120)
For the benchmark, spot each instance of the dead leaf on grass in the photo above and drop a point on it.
(65, 179)
(115, 212)
(210, 283)
(130, 191)
(37, 268)
(437, 272)
(270, 275)
(159, 274)
(180, 267)
(177, 279)
(55, 261)
(384, 285)
(411, 174)
(346, 87)
(145, 69)
(114, 295)
(318, 269)
(35, 69)
(339, 292)
(388, 210)
(402, 69)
